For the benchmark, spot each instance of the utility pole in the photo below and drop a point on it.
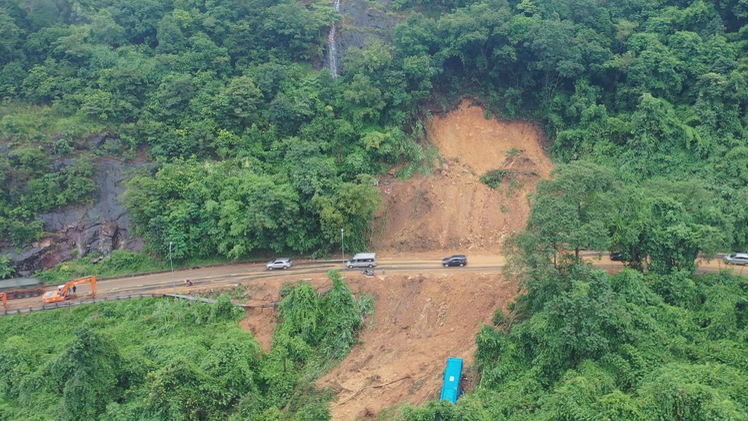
(342, 244)
(171, 263)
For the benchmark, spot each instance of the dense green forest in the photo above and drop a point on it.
(161, 359)
(252, 145)
(226, 100)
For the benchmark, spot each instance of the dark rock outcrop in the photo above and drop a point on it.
(79, 231)
(363, 22)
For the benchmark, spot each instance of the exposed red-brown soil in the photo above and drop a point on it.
(420, 321)
(423, 318)
(451, 208)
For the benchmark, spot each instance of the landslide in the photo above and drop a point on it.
(422, 318)
(451, 209)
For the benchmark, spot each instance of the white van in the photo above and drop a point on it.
(363, 260)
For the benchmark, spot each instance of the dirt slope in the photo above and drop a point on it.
(452, 209)
(423, 318)
(420, 320)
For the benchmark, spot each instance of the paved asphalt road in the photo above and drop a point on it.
(231, 275)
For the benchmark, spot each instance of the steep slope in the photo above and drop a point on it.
(420, 321)
(452, 209)
(423, 319)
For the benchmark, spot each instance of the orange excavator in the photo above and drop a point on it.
(67, 291)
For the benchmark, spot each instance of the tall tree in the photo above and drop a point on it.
(662, 227)
(569, 213)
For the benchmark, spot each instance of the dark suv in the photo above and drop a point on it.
(456, 260)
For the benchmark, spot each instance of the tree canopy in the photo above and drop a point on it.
(245, 143)
(648, 90)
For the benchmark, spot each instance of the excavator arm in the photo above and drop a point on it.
(87, 280)
(63, 292)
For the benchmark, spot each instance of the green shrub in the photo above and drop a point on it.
(121, 262)
(498, 318)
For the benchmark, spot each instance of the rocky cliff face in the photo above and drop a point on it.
(79, 231)
(361, 22)
(104, 226)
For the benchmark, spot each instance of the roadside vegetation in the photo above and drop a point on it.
(120, 263)
(176, 360)
(581, 344)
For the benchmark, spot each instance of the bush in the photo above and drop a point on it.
(498, 318)
(121, 262)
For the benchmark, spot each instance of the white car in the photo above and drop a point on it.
(279, 263)
(737, 259)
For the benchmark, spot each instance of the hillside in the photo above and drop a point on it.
(201, 104)
(451, 209)
(422, 319)
(233, 130)
(419, 321)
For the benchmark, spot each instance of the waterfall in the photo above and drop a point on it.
(332, 60)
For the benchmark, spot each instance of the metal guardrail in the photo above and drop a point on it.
(75, 303)
(68, 304)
